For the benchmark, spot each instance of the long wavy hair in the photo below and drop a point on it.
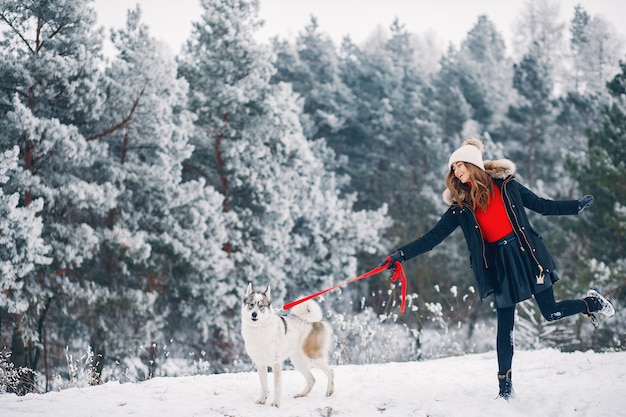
(480, 192)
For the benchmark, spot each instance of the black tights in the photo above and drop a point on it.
(551, 311)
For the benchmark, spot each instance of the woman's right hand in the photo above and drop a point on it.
(391, 260)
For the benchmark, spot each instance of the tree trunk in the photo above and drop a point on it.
(97, 363)
(21, 359)
(220, 167)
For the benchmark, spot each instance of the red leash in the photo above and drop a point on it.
(398, 272)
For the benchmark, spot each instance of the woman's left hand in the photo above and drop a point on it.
(584, 202)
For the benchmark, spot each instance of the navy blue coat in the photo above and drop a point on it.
(516, 197)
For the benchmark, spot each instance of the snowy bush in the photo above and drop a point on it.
(12, 377)
(364, 337)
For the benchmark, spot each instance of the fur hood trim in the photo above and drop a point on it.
(497, 169)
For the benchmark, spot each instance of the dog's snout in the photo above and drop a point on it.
(254, 314)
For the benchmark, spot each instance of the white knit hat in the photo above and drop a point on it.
(471, 151)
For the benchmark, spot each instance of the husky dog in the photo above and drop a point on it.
(271, 338)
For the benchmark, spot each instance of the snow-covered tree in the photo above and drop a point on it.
(595, 48)
(290, 227)
(62, 177)
(394, 140)
(486, 74)
(310, 233)
(311, 66)
(21, 245)
(539, 31)
(527, 130)
(601, 172)
(385, 135)
(452, 88)
(161, 241)
(50, 58)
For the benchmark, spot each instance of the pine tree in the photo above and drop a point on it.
(486, 74)
(539, 31)
(228, 74)
(395, 142)
(288, 225)
(311, 66)
(602, 174)
(52, 55)
(596, 238)
(21, 245)
(527, 136)
(452, 88)
(161, 241)
(529, 141)
(22, 250)
(595, 48)
(578, 41)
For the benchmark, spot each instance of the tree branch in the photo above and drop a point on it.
(196, 169)
(123, 122)
(5, 20)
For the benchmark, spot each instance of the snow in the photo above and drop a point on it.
(547, 383)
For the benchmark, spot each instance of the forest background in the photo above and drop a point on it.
(142, 191)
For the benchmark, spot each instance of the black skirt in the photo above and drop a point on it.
(514, 273)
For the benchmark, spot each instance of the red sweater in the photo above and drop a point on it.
(494, 222)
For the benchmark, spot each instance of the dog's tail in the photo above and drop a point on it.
(308, 311)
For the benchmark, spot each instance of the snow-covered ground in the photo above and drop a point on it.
(547, 383)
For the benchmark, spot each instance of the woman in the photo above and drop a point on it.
(507, 256)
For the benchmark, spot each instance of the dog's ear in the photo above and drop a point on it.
(266, 293)
(249, 290)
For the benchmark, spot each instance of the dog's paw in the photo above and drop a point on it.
(261, 401)
(276, 404)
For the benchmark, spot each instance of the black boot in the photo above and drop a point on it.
(597, 303)
(506, 385)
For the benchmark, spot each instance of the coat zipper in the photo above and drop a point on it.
(540, 277)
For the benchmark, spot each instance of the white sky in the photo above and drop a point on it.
(450, 20)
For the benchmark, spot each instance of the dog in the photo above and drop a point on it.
(270, 338)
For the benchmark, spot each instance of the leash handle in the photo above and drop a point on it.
(398, 273)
